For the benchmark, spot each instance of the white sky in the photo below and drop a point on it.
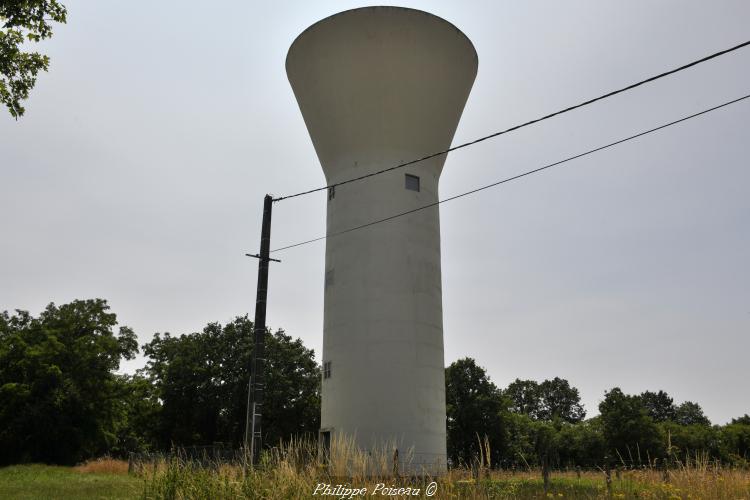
(138, 172)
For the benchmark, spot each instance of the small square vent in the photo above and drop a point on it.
(412, 182)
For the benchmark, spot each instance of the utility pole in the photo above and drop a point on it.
(256, 386)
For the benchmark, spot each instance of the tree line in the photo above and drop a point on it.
(536, 424)
(62, 400)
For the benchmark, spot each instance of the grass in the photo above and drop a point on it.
(103, 465)
(293, 472)
(37, 482)
(686, 483)
(181, 482)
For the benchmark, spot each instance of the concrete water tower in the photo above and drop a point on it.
(378, 86)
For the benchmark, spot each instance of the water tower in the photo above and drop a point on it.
(378, 86)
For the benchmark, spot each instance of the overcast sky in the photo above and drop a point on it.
(138, 172)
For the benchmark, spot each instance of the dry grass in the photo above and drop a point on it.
(294, 471)
(694, 479)
(284, 482)
(103, 465)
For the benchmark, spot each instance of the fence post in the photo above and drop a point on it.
(608, 473)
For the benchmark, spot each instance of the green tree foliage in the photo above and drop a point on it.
(59, 399)
(628, 429)
(138, 415)
(689, 413)
(202, 381)
(546, 443)
(687, 440)
(560, 443)
(521, 440)
(560, 401)
(551, 400)
(525, 397)
(735, 442)
(582, 444)
(659, 405)
(24, 21)
(475, 408)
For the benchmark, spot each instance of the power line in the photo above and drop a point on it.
(516, 127)
(545, 167)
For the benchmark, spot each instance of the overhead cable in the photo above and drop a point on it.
(516, 127)
(503, 181)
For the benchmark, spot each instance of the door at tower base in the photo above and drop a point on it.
(379, 86)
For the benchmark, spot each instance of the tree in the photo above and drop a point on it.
(659, 405)
(521, 440)
(24, 21)
(735, 439)
(547, 447)
(689, 413)
(687, 440)
(202, 380)
(582, 443)
(550, 400)
(525, 397)
(744, 420)
(628, 429)
(58, 389)
(475, 409)
(138, 414)
(560, 401)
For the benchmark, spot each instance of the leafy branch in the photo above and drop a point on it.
(24, 21)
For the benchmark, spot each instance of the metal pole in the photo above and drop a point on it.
(257, 379)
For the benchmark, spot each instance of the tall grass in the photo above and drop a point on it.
(103, 465)
(296, 469)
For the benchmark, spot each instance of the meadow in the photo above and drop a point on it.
(105, 479)
(289, 472)
(295, 472)
(685, 484)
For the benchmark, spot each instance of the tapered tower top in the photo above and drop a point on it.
(380, 84)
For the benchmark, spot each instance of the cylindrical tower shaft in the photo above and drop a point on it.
(378, 86)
